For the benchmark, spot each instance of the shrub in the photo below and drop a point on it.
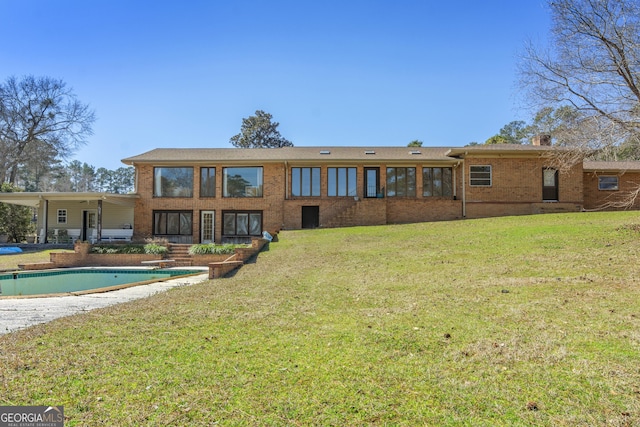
(212, 249)
(155, 249)
(117, 249)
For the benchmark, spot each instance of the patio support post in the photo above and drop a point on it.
(99, 231)
(45, 223)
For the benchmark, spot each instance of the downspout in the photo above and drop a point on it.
(135, 178)
(286, 180)
(464, 193)
(286, 192)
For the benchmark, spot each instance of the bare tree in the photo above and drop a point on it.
(39, 112)
(592, 69)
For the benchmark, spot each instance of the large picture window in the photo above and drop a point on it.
(242, 182)
(172, 223)
(172, 182)
(207, 182)
(238, 223)
(305, 182)
(401, 182)
(437, 182)
(341, 182)
(480, 176)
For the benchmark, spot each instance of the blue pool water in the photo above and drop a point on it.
(83, 279)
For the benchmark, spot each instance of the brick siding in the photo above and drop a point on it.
(595, 199)
(516, 189)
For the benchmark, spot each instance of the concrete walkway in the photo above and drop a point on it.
(24, 312)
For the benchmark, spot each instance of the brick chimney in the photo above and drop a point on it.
(541, 140)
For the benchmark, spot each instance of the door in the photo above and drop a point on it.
(550, 185)
(371, 182)
(87, 233)
(310, 216)
(207, 226)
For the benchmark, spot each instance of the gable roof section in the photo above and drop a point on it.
(289, 154)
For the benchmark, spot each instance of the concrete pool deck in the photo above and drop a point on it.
(20, 313)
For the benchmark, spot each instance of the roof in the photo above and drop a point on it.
(34, 199)
(302, 154)
(494, 149)
(591, 166)
(290, 154)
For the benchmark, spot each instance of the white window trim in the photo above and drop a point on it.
(61, 213)
(471, 178)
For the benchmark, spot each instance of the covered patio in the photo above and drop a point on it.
(68, 217)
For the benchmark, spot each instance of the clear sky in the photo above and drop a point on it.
(331, 72)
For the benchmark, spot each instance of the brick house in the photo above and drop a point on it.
(230, 194)
(218, 194)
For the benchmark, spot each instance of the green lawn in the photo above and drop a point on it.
(10, 262)
(519, 321)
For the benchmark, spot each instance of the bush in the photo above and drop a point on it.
(155, 249)
(212, 249)
(118, 249)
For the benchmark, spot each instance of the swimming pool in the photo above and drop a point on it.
(74, 280)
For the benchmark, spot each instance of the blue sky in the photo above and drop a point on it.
(184, 74)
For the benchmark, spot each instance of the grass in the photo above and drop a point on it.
(10, 262)
(520, 321)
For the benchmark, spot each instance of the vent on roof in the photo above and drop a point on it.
(415, 152)
(369, 152)
(325, 152)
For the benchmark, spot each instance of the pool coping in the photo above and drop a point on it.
(22, 313)
(204, 270)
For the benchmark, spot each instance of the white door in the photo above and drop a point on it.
(207, 221)
(89, 223)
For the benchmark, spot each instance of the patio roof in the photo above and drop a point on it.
(34, 199)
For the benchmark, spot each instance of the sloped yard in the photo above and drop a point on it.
(510, 321)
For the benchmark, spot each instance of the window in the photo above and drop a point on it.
(480, 176)
(608, 183)
(242, 182)
(172, 223)
(207, 182)
(62, 216)
(437, 182)
(172, 182)
(239, 223)
(401, 182)
(341, 182)
(305, 181)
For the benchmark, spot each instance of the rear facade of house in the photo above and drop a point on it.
(231, 195)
